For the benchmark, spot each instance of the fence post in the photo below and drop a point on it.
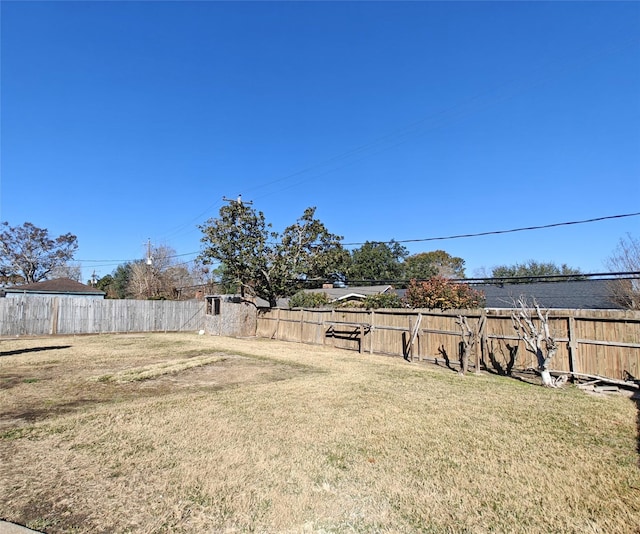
(371, 331)
(481, 338)
(413, 334)
(54, 316)
(333, 318)
(573, 344)
(22, 319)
(301, 325)
(423, 341)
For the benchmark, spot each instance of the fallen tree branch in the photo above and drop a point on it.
(598, 378)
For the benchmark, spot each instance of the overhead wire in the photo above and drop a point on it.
(425, 239)
(497, 232)
(438, 119)
(419, 127)
(497, 281)
(458, 111)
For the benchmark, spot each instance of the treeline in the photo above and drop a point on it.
(437, 292)
(240, 253)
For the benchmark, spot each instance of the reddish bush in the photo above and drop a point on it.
(442, 293)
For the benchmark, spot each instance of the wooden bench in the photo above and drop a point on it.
(346, 330)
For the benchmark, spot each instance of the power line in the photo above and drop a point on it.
(514, 280)
(457, 111)
(496, 232)
(502, 280)
(421, 240)
(487, 98)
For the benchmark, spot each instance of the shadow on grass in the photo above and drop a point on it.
(455, 366)
(636, 399)
(509, 363)
(34, 349)
(32, 415)
(502, 364)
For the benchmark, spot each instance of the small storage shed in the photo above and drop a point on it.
(230, 315)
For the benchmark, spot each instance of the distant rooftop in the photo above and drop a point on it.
(568, 294)
(57, 286)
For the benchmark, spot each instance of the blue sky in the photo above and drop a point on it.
(124, 121)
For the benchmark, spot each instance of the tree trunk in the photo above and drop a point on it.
(547, 379)
(543, 366)
(464, 357)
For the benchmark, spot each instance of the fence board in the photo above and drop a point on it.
(595, 342)
(39, 315)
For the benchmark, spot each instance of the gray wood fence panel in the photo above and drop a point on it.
(35, 316)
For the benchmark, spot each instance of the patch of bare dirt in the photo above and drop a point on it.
(34, 399)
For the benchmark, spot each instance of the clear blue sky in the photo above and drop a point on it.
(123, 121)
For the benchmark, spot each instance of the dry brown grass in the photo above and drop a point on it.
(267, 436)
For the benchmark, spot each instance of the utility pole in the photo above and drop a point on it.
(149, 258)
(149, 269)
(238, 200)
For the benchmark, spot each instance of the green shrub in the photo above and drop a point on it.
(309, 300)
(383, 300)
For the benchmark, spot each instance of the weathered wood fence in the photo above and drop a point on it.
(591, 342)
(40, 315)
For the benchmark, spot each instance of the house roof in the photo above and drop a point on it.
(343, 293)
(58, 286)
(280, 303)
(334, 294)
(568, 294)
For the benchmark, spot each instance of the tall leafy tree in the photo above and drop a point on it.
(30, 252)
(377, 262)
(262, 262)
(310, 251)
(104, 283)
(239, 238)
(116, 284)
(532, 271)
(425, 265)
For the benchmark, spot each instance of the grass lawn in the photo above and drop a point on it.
(179, 433)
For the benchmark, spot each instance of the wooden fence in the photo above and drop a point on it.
(39, 315)
(591, 342)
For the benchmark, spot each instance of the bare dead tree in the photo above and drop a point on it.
(468, 343)
(143, 283)
(626, 258)
(537, 338)
(69, 270)
(160, 276)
